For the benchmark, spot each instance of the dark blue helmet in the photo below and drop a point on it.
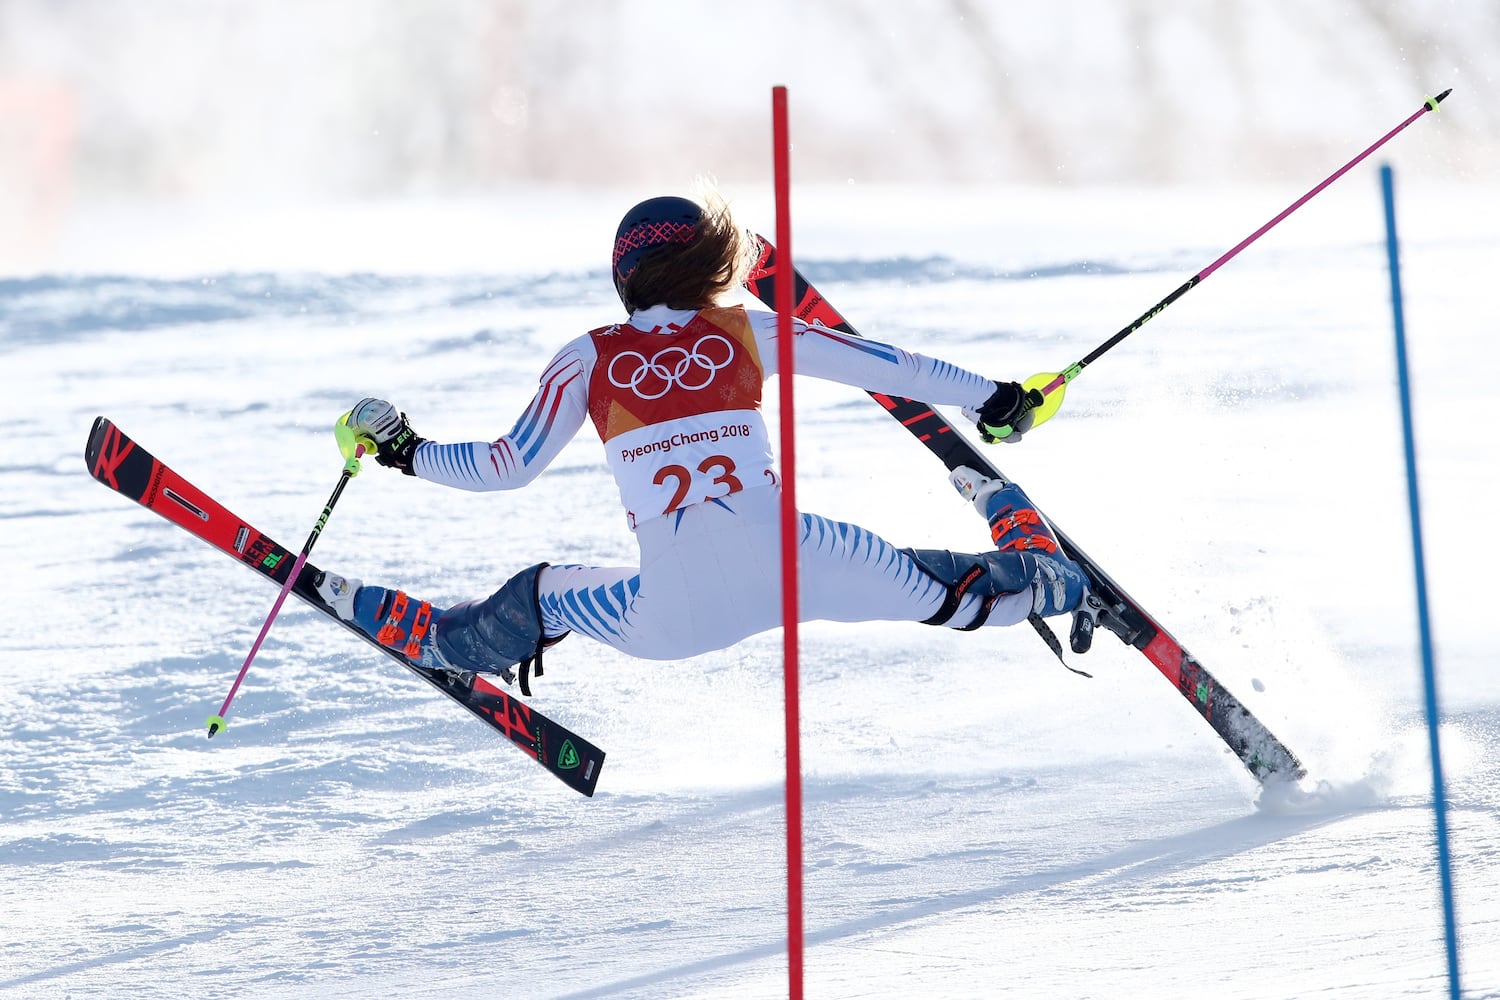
(653, 223)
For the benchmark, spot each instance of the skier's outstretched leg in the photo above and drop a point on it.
(850, 574)
(711, 576)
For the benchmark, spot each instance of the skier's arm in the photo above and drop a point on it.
(872, 365)
(510, 461)
(1002, 410)
(516, 458)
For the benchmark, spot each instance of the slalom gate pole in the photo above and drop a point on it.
(1429, 670)
(351, 469)
(1052, 384)
(790, 536)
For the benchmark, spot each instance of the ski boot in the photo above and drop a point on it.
(494, 636)
(1027, 559)
(1016, 523)
(1059, 583)
(389, 616)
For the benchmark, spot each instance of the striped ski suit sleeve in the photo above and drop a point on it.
(872, 365)
(511, 461)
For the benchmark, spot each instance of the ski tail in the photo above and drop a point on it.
(120, 463)
(1252, 742)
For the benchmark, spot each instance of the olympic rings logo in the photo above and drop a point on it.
(671, 367)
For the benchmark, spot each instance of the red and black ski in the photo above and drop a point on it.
(1256, 746)
(125, 467)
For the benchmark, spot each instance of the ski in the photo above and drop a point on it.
(118, 462)
(1257, 747)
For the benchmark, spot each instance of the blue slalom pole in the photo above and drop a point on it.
(1429, 673)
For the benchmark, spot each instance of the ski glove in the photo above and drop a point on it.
(381, 428)
(1007, 414)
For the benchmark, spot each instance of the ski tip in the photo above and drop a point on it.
(95, 442)
(762, 267)
(216, 723)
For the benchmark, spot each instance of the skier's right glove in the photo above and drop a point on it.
(381, 428)
(1008, 413)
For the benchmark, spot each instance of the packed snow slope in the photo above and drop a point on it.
(980, 822)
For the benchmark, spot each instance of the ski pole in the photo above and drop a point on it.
(1052, 385)
(352, 452)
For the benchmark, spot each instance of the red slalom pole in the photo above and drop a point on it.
(216, 723)
(790, 535)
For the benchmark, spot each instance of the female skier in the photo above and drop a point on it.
(675, 394)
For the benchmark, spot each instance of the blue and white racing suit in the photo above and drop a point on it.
(676, 398)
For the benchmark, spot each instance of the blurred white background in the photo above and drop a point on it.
(177, 104)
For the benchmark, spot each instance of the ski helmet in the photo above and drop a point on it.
(656, 222)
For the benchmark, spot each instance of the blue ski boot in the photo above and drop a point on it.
(491, 636)
(391, 617)
(1058, 583)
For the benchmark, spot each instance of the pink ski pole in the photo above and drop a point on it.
(1052, 385)
(351, 469)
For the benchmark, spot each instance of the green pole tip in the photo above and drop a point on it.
(216, 723)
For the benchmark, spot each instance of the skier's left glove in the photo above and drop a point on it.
(1008, 413)
(381, 428)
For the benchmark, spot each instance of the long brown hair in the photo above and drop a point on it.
(695, 274)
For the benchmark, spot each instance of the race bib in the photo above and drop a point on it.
(678, 410)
